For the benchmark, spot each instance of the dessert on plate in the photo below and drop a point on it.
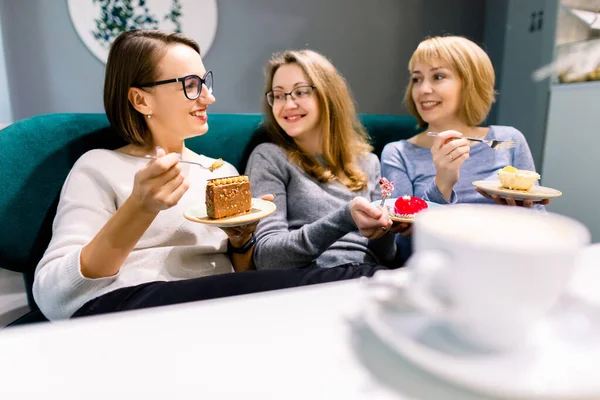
(408, 206)
(227, 197)
(517, 179)
(404, 207)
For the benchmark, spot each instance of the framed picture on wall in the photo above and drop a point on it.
(99, 22)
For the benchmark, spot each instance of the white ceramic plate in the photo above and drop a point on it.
(536, 193)
(559, 360)
(390, 202)
(260, 209)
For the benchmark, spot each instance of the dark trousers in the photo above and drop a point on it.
(153, 294)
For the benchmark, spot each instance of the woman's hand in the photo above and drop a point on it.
(449, 152)
(511, 201)
(240, 235)
(373, 222)
(159, 185)
(403, 228)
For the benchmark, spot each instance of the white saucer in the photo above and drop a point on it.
(260, 209)
(559, 360)
(536, 193)
(390, 203)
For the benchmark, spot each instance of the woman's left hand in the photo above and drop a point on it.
(403, 228)
(373, 222)
(511, 201)
(239, 235)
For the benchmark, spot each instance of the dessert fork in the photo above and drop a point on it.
(182, 161)
(493, 143)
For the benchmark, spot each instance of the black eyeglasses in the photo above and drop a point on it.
(298, 94)
(192, 84)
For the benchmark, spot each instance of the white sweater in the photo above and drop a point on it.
(172, 248)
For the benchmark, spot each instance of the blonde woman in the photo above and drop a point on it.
(450, 92)
(320, 169)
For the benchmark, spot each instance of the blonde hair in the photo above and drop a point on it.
(472, 65)
(344, 137)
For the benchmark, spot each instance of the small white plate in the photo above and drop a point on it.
(260, 209)
(559, 359)
(390, 203)
(536, 193)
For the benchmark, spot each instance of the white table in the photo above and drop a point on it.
(305, 343)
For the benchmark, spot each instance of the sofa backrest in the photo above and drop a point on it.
(234, 136)
(37, 154)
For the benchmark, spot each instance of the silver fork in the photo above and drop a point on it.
(493, 143)
(183, 161)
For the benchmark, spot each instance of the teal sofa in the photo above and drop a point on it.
(37, 154)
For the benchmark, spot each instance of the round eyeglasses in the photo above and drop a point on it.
(277, 97)
(192, 84)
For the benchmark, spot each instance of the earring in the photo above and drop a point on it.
(149, 116)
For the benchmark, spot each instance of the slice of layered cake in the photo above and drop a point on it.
(226, 197)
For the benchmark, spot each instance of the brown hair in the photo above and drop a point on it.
(472, 65)
(133, 60)
(344, 137)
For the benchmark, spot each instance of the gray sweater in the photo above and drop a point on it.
(312, 225)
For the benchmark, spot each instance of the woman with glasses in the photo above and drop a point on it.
(120, 241)
(320, 169)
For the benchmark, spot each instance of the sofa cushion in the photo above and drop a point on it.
(37, 154)
(384, 129)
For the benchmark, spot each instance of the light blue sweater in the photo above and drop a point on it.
(411, 167)
(412, 170)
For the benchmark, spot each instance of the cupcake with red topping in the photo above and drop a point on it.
(408, 206)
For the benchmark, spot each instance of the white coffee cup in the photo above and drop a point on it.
(492, 271)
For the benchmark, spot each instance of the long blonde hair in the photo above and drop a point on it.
(472, 65)
(344, 137)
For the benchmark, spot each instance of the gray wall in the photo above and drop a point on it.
(13, 301)
(516, 53)
(50, 69)
(5, 110)
(571, 161)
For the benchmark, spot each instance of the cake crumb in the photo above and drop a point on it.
(216, 165)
